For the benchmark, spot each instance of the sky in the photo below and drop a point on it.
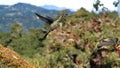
(72, 4)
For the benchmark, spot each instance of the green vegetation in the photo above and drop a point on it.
(22, 13)
(73, 45)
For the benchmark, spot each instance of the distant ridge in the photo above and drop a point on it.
(52, 7)
(22, 13)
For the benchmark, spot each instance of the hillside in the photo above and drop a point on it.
(12, 59)
(22, 13)
(83, 40)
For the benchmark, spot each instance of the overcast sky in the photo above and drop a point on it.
(73, 4)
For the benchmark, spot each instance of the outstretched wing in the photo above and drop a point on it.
(47, 20)
(46, 33)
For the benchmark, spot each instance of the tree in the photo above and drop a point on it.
(97, 4)
(115, 3)
(16, 30)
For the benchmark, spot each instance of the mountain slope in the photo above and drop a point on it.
(22, 13)
(80, 38)
(79, 42)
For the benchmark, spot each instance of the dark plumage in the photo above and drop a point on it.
(46, 19)
(53, 24)
(46, 33)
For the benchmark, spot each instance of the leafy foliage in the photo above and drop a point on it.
(77, 44)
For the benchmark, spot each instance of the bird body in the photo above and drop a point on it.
(53, 24)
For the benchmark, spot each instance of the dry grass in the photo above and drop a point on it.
(9, 58)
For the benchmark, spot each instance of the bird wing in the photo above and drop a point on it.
(46, 20)
(49, 18)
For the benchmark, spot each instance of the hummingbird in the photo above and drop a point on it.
(53, 24)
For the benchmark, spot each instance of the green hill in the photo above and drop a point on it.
(82, 40)
(22, 13)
